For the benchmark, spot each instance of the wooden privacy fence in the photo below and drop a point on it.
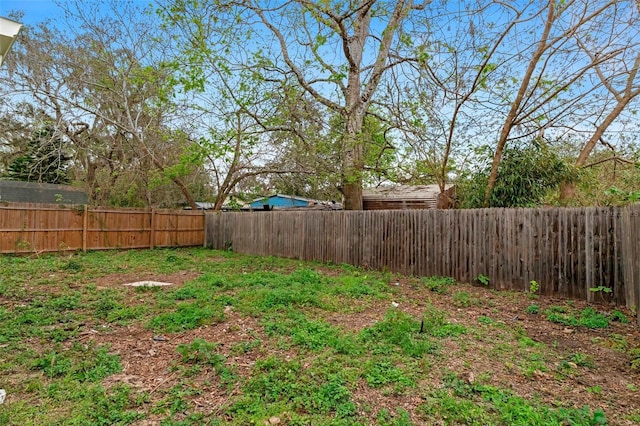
(567, 252)
(26, 228)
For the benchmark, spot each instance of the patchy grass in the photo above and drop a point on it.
(262, 340)
(459, 402)
(588, 317)
(438, 284)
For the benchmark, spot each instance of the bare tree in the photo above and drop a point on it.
(438, 103)
(337, 52)
(102, 81)
(549, 87)
(618, 78)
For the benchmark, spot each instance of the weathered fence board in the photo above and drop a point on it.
(26, 228)
(630, 244)
(566, 251)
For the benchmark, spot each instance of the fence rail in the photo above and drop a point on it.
(28, 228)
(568, 252)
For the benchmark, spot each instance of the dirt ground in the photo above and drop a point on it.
(611, 384)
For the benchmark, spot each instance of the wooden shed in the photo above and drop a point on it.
(402, 197)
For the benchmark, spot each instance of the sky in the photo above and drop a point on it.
(35, 10)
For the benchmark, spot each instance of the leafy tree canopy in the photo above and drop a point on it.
(527, 175)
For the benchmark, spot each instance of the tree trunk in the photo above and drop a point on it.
(185, 191)
(183, 188)
(567, 192)
(352, 173)
(352, 195)
(353, 164)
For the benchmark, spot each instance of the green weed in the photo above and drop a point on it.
(72, 266)
(107, 407)
(398, 330)
(618, 316)
(401, 418)
(462, 299)
(201, 352)
(451, 410)
(557, 309)
(483, 279)
(278, 385)
(269, 291)
(601, 290)
(54, 364)
(187, 316)
(582, 360)
(177, 399)
(66, 302)
(532, 309)
(459, 402)
(438, 284)
(295, 295)
(358, 286)
(634, 417)
(534, 287)
(594, 390)
(588, 318)
(485, 320)
(526, 342)
(635, 358)
(245, 347)
(108, 301)
(379, 373)
(124, 315)
(83, 363)
(36, 315)
(310, 334)
(39, 320)
(435, 324)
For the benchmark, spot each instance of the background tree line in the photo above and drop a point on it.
(518, 103)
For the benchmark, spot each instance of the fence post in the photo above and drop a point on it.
(152, 236)
(85, 225)
(204, 237)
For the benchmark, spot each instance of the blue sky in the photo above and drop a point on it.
(38, 10)
(34, 10)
